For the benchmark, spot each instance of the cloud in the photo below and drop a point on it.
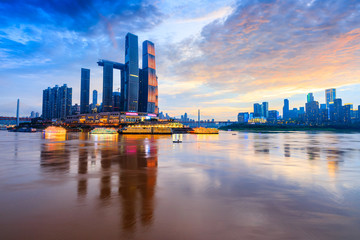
(272, 49)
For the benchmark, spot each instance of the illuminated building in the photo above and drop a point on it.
(148, 87)
(330, 95)
(338, 111)
(85, 90)
(130, 78)
(347, 108)
(116, 101)
(272, 116)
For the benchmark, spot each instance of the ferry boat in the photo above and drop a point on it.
(54, 129)
(103, 131)
(202, 130)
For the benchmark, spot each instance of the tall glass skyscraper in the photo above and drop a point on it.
(330, 95)
(85, 90)
(130, 78)
(148, 90)
(286, 109)
(107, 86)
(310, 97)
(95, 96)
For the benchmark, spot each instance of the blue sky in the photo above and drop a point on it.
(219, 56)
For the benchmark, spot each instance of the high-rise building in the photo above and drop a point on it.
(338, 110)
(85, 90)
(257, 110)
(148, 86)
(130, 77)
(57, 102)
(347, 108)
(310, 97)
(107, 86)
(95, 98)
(265, 109)
(286, 109)
(323, 106)
(330, 95)
(243, 117)
(312, 112)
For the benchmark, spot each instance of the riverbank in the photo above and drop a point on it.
(289, 128)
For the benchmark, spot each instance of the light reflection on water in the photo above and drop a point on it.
(243, 186)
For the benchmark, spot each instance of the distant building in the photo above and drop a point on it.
(347, 109)
(32, 114)
(57, 102)
(273, 116)
(323, 106)
(265, 109)
(330, 96)
(37, 115)
(95, 97)
(310, 97)
(243, 117)
(312, 112)
(286, 109)
(338, 111)
(257, 110)
(85, 90)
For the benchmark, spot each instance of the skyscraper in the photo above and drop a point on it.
(286, 109)
(265, 109)
(257, 110)
(130, 77)
(107, 86)
(312, 112)
(148, 86)
(85, 90)
(95, 97)
(330, 95)
(310, 97)
(338, 110)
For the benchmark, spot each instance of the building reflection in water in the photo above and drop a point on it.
(261, 143)
(55, 155)
(287, 150)
(133, 161)
(334, 157)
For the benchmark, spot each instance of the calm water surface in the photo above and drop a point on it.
(244, 186)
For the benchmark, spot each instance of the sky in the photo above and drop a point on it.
(217, 56)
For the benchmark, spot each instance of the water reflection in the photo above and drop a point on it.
(55, 154)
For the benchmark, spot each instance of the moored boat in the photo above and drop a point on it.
(202, 130)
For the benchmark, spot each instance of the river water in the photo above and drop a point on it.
(295, 185)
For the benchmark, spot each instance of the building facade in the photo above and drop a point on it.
(85, 91)
(57, 102)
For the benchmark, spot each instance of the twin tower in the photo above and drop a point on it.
(139, 87)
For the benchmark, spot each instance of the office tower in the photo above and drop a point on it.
(257, 110)
(324, 114)
(338, 110)
(116, 101)
(265, 109)
(272, 116)
(312, 112)
(330, 95)
(95, 97)
(243, 117)
(107, 86)
(57, 102)
(32, 114)
(186, 117)
(85, 90)
(37, 114)
(310, 97)
(301, 110)
(130, 77)
(148, 86)
(323, 106)
(286, 109)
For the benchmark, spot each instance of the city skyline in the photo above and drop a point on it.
(220, 60)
